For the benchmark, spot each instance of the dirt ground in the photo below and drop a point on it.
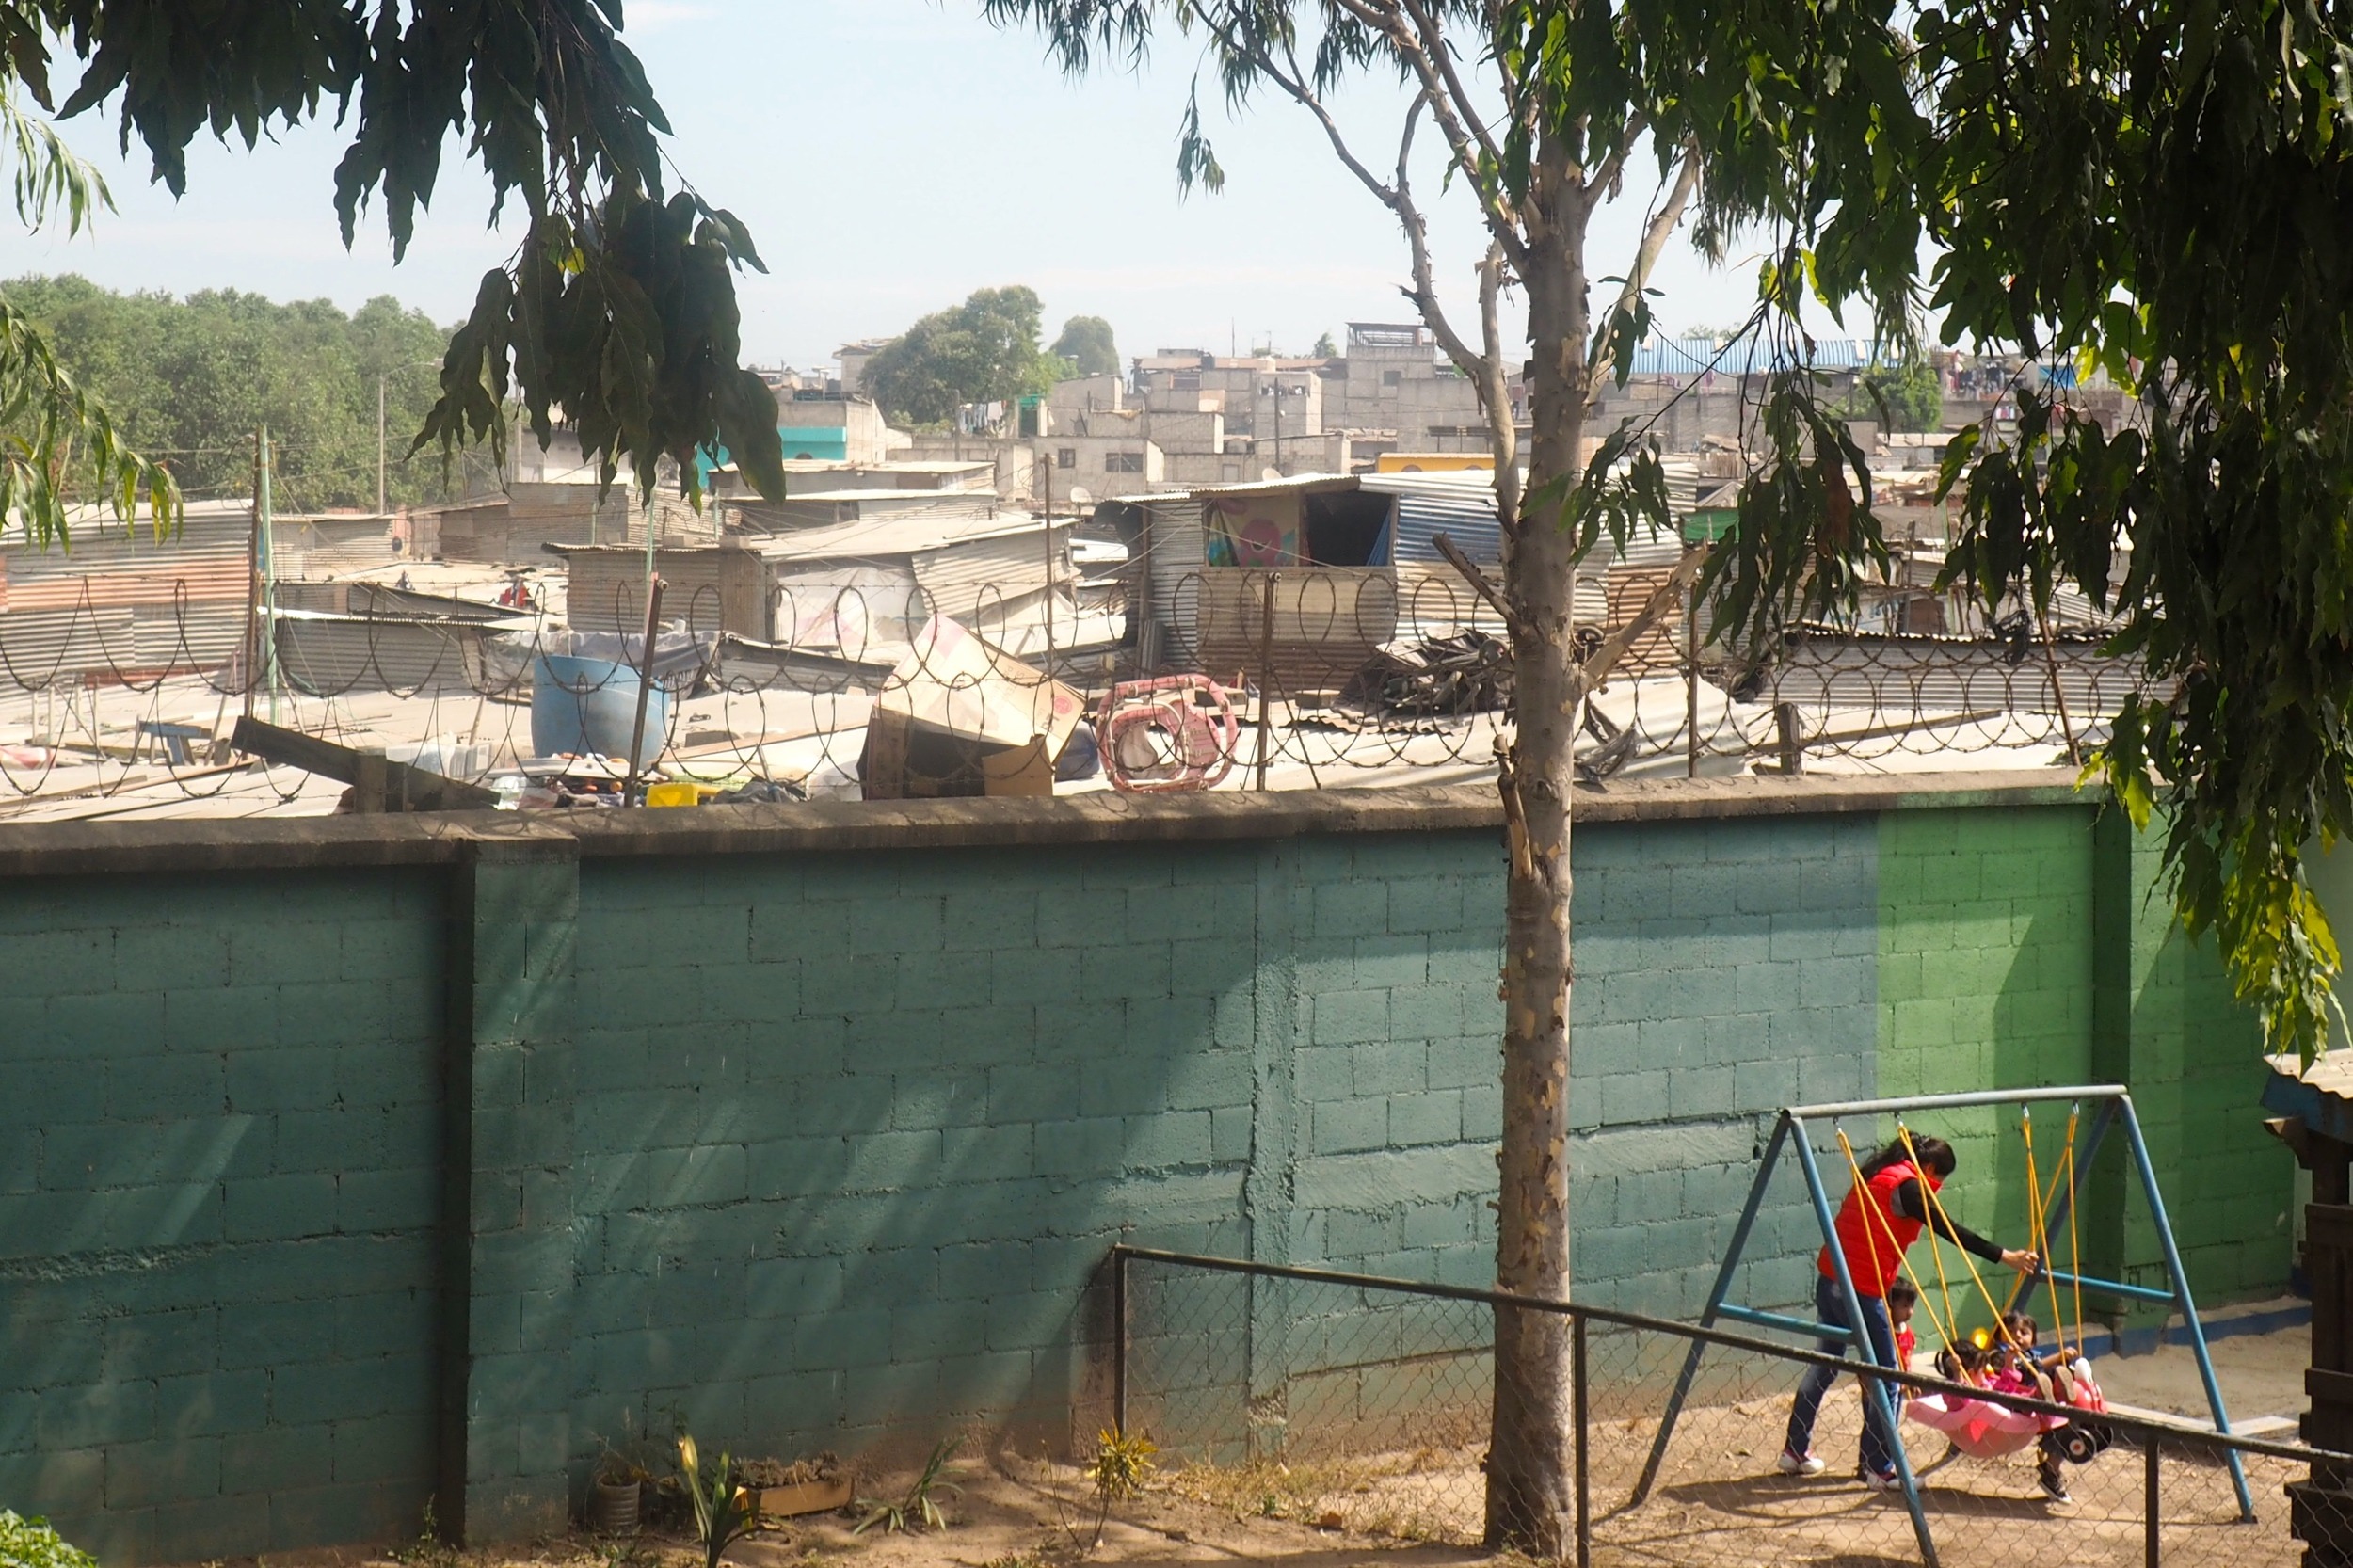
(1717, 1504)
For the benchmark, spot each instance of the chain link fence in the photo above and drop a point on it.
(1366, 1405)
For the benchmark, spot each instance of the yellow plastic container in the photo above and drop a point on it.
(681, 792)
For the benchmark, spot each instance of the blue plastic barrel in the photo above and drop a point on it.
(581, 705)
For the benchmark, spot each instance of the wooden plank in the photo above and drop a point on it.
(404, 787)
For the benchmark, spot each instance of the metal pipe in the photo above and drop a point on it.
(2151, 1528)
(1875, 1391)
(1755, 1317)
(2298, 1453)
(1952, 1102)
(2181, 1291)
(1691, 686)
(2112, 1287)
(1266, 678)
(1119, 1342)
(645, 678)
(1721, 1289)
(1582, 1410)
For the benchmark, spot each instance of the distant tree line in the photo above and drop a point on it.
(190, 379)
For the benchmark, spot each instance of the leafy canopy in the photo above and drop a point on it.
(619, 306)
(1907, 396)
(979, 351)
(1086, 342)
(188, 380)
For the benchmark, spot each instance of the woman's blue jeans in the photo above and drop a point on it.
(1830, 1305)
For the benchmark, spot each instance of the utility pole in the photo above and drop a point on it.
(379, 445)
(265, 548)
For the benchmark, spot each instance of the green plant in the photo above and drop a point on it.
(916, 1509)
(427, 1551)
(31, 1543)
(1121, 1464)
(724, 1513)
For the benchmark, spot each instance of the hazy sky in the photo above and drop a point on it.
(890, 156)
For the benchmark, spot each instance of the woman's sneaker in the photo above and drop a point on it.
(1792, 1464)
(2053, 1486)
(1883, 1480)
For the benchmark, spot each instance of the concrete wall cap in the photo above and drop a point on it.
(199, 844)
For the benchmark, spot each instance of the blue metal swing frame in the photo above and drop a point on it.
(1792, 1131)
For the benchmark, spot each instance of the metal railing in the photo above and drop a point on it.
(1364, 1403)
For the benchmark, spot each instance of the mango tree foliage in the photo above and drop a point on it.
(617, 311)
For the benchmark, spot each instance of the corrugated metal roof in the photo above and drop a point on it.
(1747, 356)
(875, 538)
(121, 604)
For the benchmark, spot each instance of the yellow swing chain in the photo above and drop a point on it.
(2074, 1247)
(2039, 1222)
(1945, 1329)
(1936, 1211)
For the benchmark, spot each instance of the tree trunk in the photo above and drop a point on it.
(1529, 1489)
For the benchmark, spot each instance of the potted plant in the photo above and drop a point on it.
(615, 1496)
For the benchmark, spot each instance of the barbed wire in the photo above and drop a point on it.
(1261, 678)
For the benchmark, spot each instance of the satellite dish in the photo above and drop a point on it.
(1271, 475)
(1079, 496)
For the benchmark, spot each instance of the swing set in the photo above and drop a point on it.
(1976, 1426)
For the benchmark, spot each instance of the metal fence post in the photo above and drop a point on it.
(2149, 1526)
(1119, 1341)
(1579, 1408)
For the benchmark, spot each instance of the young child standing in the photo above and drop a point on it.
(1901, 1300)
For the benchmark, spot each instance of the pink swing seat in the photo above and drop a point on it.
(1984, 1430)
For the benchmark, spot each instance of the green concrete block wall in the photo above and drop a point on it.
(826, 1148)
(219, 1203)
(1985, 927)
(1724, 968)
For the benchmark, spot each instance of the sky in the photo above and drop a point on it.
(890, 156)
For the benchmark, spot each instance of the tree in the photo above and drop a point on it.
(187, 380)
(1566, 101)
(1325, 348)
(1906, 395)
(981, 351)
(618, 305)
(1086, 342)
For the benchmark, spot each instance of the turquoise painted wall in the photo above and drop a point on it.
(331, 1190)
(219, 1172)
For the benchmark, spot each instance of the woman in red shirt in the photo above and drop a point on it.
(1874, 1244)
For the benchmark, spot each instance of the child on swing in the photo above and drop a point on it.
(2061, 1378)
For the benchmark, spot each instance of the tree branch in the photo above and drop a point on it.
(1661, 604)
(1433, 47)
(1390, 22)
(1662, 223)
(1606, 177)
(1495, 390)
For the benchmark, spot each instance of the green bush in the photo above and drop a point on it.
(31, 1543)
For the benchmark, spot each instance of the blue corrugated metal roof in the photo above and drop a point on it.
(1747, 356)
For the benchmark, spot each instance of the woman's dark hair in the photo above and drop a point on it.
(1935, 1157)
